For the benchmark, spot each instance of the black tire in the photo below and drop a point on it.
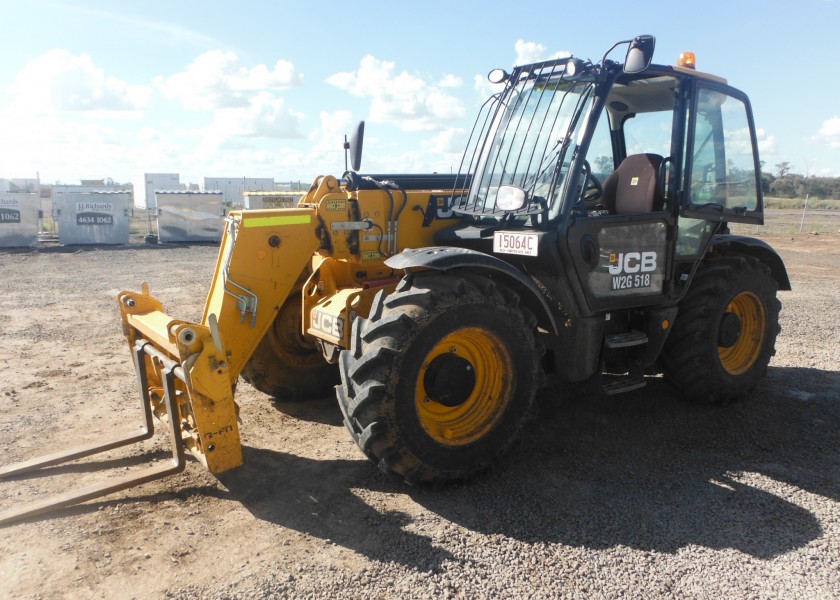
(725, 332)
(441, 377)
(287, 365)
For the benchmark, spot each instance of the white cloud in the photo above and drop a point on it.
(61, 81)
(65, 117)
(70, 150)
(402, 99)
(217, 79)
(526, 53)
(449, 141)
(248, 157)
(162, 30)
(450, 81)
(766, 143)
(530, 52)
(443, 153)
(484, 88)
(332, 129)
(264, 116)
(829, 133)
(326, 154)
(739, 142)
(244, 108)
(269, 117)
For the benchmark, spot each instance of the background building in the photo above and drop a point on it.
(234, 188)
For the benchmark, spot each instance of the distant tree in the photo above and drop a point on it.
(784, 187)
(767, 180)
(818, 187)
(604, 164)
(782, 169)
(787, 184)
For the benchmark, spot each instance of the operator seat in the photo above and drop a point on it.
(634, 186)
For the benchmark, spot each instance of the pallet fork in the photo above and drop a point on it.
(186, 371)
(176, 464)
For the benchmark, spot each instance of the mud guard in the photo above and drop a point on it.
(445, 258)
(742, 244)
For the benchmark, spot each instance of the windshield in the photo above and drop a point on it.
(523, 138)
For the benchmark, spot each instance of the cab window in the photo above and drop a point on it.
(722, 169)
(600, 153)
(649, 133)
(632, 146)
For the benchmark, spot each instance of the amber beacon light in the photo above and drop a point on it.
(687, 60)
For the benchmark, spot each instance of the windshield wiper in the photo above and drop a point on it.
(549, 159)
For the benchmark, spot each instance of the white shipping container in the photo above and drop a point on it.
(234, 188)
(19, 212)
(92, 217)
(189, 216)
(146, 186)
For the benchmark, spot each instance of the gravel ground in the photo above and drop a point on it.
(636, 496)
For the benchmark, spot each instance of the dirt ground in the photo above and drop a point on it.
(751, 489)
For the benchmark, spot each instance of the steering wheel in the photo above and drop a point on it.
(592, 188)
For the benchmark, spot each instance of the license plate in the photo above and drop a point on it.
(516, 242)
(630, 282)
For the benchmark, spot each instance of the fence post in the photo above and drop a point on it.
(804, 210)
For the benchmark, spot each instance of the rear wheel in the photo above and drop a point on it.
(725, 332)
(285, 363)
(440, 377)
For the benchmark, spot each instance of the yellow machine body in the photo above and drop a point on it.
(329, 250)
(335, 240)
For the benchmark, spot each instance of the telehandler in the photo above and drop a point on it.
(585, 237)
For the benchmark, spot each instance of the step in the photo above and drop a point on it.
(624, 384)
(624, 340)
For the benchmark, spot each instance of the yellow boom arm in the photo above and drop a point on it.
(262, 255)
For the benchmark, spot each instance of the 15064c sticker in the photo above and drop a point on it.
(521, 243)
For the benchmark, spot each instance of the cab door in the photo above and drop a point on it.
(621, 261)
(624, 258)
(722, 175)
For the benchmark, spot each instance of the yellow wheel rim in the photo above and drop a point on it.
(741, 355)
(463, 387)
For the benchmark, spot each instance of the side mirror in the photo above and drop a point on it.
(355, 146)
(639, 54)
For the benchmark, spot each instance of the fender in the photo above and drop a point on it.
(444, 258)
(741, 244)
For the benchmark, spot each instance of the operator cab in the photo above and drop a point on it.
(637, 149)
(671, 156)
(624, 170)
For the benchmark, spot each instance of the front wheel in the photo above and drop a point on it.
(440, 377)
(725, 332)
(286, 364)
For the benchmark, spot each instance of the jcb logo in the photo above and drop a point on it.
(327, 323)
(442, 208)
(632, 262)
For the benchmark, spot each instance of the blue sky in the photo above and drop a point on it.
(90, 90)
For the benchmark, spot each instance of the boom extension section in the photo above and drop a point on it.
(186, 371)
